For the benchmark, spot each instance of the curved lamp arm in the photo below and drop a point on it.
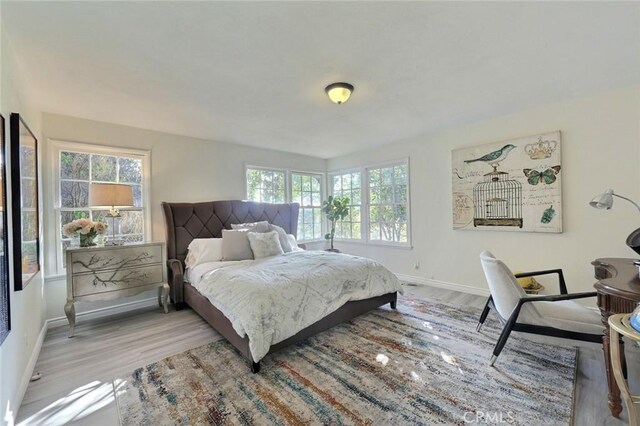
(629, 200)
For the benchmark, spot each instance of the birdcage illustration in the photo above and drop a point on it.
(497, 201)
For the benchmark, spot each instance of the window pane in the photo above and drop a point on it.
(74, 194)
(130, 170)
(137, 195)
(389, 201)
(131, 222)
(29, 193)
(266, 186)
(74, 165)
(103, 168)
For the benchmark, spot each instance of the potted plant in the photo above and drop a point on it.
(87, 230)
(336, 209)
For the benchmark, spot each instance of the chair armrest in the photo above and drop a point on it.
(561, 282)
(176, 280)
(557, 297)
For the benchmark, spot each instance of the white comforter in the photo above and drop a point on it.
(272, 299)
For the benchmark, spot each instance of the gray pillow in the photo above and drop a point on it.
(235, 245)
(282, 236)
(262, 226)
(265, 244)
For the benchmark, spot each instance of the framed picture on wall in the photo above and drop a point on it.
(5, 317)
(24, 202)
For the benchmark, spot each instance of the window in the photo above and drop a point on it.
(385, 219)
(80, 165)
(388, 202)
(306, 189)
(349, 185)
(266, 186)
(284, 186)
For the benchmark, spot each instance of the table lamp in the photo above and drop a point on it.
(605, 201)
(111, 196)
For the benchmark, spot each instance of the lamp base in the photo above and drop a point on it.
(114, 243)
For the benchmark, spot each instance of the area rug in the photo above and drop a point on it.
(422, 364)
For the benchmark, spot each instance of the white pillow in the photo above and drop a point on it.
(262, 226)
(235, 245)
(203, 250)
(282, 235)
(265, 244)
(293, 243)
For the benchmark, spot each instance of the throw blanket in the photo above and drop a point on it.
(273, 298)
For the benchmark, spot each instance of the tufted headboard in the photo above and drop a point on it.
(186, 221)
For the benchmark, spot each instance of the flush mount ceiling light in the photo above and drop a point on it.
(339, 93)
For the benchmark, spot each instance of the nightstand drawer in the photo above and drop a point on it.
(102, 282)
(96, 260)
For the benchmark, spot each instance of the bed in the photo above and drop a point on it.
(187, 221)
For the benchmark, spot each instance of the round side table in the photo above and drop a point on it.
(619, 325)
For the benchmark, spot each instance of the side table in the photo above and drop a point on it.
(111, 272)
(619, 325)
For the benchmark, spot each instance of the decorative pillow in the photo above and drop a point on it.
(265, 244)
(262, 226)
(203, 250)
(293, 243)
(235, 245)
(282, 235)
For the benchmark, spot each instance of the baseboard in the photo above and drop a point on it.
(443, 284)
(31, 366)
(104, 312)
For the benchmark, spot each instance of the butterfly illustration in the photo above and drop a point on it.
(548, 176)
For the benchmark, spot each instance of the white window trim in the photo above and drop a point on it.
(62, 145)
(288, 186)
(365, 203)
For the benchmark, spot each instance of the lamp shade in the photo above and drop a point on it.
(109, 195)
(603, 201)
(339, 93)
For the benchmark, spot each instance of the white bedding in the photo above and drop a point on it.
(194, 274)
(273, 298)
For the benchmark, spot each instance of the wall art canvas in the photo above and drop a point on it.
(5, 316)
(24, 202)
(514, 185)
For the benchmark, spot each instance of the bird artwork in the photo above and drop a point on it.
(494, 158)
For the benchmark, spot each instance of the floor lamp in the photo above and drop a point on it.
(111, 196)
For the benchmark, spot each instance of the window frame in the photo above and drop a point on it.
(364, 221)
(288, 193)
(57, 146)
(365, 203)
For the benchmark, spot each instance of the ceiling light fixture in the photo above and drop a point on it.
(339, 93)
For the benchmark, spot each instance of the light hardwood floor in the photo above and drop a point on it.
(76, 373)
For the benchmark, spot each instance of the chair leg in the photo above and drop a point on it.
(504, 336)
(484, 314)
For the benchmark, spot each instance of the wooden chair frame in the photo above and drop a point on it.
(512, 324)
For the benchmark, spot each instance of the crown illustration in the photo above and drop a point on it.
(541, 149)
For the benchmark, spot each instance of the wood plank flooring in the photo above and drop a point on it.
(76, 373)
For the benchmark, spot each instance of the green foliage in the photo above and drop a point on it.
(336, 209)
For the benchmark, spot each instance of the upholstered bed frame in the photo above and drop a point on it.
(186, 221)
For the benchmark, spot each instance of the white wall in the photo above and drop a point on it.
(20, 349)
(182, 169)
(600, 150)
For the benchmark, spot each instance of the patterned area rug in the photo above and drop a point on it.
(422, 364)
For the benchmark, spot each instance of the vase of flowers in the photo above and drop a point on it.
(87, 230)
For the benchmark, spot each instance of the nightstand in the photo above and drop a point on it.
(111, 272)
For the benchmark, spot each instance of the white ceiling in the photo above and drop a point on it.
(254, 73)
